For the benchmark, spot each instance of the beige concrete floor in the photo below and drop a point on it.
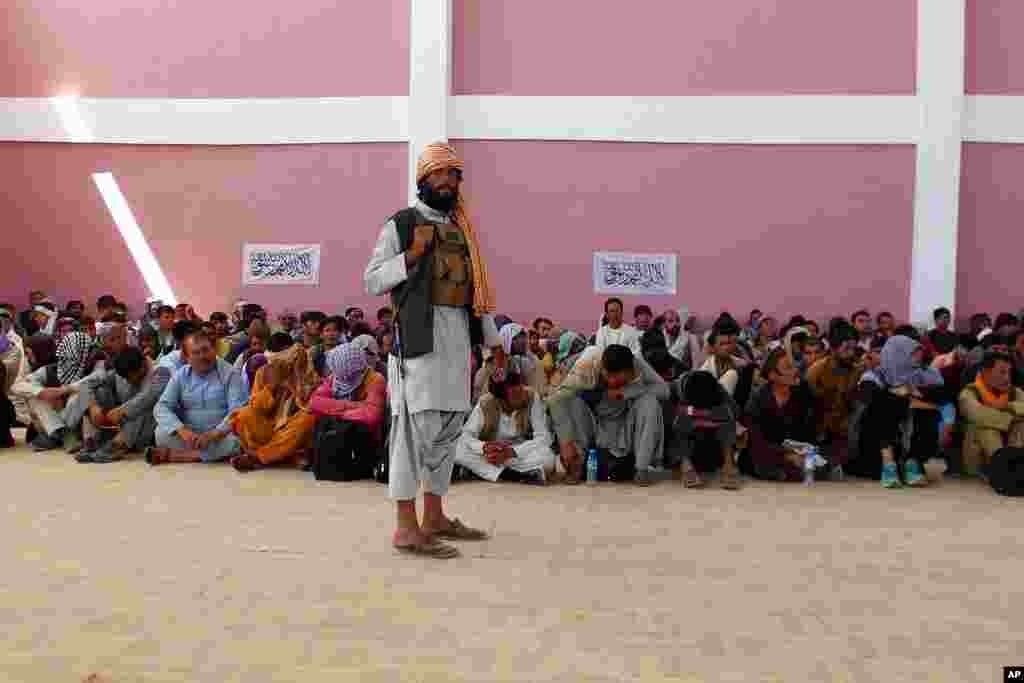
(197, 573)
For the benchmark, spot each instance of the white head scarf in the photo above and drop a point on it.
(51, 319)
(366, 344)
(508, 333)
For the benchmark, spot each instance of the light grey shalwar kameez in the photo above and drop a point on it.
(430, 400)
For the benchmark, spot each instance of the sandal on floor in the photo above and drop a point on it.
(435, 549)
(153, 459)
(245, 462)
(458, 531)
(691, 479)
(730, 479)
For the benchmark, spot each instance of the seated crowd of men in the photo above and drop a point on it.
(639, 401)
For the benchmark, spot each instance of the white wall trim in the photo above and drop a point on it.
(757, 120)
(781, 119)
(430, 74)
(768, 119)
(994, 118)
(159, 121)
(941, 51)
(938, 119)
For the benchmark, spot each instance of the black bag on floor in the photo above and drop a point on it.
(1006, 472)
(343, 451)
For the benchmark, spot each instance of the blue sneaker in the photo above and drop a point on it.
(913, 474)
(890, 476)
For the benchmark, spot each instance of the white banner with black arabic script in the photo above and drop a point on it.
(281, 264)
(641, 274)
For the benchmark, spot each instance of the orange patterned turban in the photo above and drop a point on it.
(441, 156)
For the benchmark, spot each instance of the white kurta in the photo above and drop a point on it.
(535, 454)
(430, 402)
(625, 335)
(439, 380)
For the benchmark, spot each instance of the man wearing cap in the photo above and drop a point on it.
(44, 317)
(113, 339)
(25, 319)
(428, 260)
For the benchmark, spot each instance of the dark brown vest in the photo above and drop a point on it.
(412, 300)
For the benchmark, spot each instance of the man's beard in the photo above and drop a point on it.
(673, 331)
(443, 202)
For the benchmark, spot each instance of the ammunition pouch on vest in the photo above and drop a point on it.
(414, 300)
(453, 277)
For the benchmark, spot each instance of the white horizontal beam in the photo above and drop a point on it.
(774, 120)
(160, 121)
(994, 118)
(770, 119)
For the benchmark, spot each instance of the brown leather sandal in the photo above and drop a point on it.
(457, 531)
(433, 548)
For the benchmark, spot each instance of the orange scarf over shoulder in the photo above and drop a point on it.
(989, 398)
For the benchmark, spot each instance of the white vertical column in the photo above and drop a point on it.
(941, 50)
(430, 59)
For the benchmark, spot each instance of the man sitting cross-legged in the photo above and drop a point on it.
(610, 400)
(993, 414)
(506, 437)
(47, 390)
(194, 413)
(121, 398)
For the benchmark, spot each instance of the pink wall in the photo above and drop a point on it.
(803, 238)
(815, 230)
(198, 48)
(787, 229)
(653, 47)
(991, 242)
(995, 53)
(196, 206)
